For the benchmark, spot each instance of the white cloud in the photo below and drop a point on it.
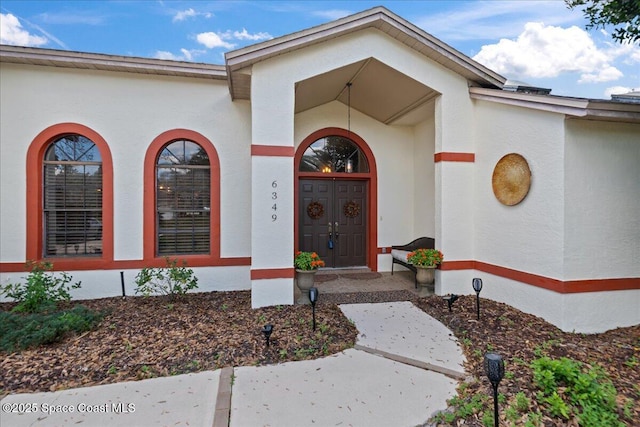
(213, 40)
(186, 55)
(244, 35)
(492, 20)
(617, 90)
(607, 74)
(11, 32)
(163, 54)
(546, 51)
(189, 13)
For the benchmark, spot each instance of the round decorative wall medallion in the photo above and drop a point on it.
(511, 179)
(315, 210)
(351, 209)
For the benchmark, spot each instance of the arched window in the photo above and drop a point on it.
(332, 154)
(72, 198)
(183, 202)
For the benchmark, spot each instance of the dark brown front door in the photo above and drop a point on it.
(332, 218)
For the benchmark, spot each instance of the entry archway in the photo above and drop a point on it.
(333, 195)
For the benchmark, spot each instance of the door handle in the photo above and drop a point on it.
(330, 230)
(337, 234)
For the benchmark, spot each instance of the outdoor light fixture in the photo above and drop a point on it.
(477, 286)
(450, 299)
(494, 368)
(267, 330)
(313, 297)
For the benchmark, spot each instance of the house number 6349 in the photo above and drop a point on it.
(274, 197)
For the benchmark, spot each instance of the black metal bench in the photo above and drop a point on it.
(419, 243)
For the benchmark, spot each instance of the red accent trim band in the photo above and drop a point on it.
(556, 285)
(454, 157)
(272, 150)
(273, 273)
(64, 264)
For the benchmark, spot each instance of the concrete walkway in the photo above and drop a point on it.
(403, 369)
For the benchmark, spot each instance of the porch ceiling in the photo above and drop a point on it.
(377, 90)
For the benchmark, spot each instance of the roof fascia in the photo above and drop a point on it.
(79, 60)
(575, 107)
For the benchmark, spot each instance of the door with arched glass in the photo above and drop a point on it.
(333, 201)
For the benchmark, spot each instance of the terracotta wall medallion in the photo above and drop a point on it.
(511, 179)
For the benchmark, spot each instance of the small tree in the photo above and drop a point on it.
(625, 13)
(42, 291)
(170, 280)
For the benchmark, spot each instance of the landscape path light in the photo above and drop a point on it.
(494, 368)
(267, 330)
(313, 297)
(450, 299)
(477, 286)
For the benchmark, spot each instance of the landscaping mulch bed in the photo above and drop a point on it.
(520, 338)
(147, 337)
(150, 337)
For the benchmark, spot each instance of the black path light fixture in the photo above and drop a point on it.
(494, 368)
(267, 330)
(477, 286)
(450, 299)
(313, 297)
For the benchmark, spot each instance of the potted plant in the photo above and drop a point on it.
(425, 261)
(306, 264)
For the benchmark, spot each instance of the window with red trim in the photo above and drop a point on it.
(72, 198)
(183, 202)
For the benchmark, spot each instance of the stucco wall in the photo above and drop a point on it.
(528, 236)
(128, 111)
(602, 222)
(424, 176)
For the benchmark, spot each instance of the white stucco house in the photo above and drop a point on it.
(367, 126)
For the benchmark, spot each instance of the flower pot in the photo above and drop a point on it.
(304, 281)
(425, 275)
(425, 278)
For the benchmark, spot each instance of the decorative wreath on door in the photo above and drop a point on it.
(315, 210)
(351, 209)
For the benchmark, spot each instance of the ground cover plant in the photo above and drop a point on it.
(172, 280)
(35, 318)
(552, 378)
(143, 337)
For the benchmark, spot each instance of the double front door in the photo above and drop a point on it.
(333, 220)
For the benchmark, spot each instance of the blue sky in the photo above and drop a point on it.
(540, 42)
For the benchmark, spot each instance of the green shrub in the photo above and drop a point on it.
(42, 291)
(568, 389)
(170, 280)
(20, 331)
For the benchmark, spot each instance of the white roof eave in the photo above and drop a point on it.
(93, 61)
(580, 108)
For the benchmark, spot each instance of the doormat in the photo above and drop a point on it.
(362, 276)
(321, 278)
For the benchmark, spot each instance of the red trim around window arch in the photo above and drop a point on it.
(149, 227)
(35, 157)
(371, 176)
